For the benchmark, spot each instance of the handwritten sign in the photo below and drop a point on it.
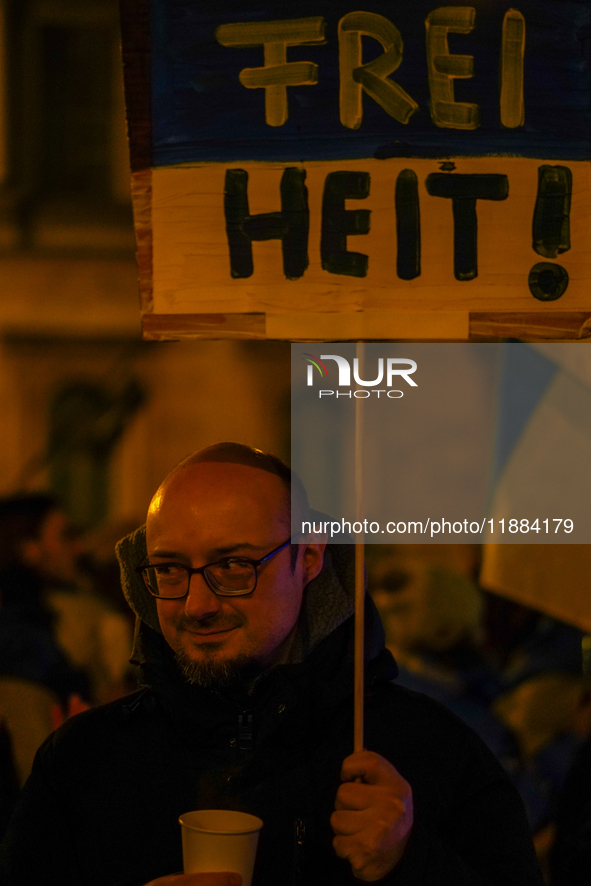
(312, 170)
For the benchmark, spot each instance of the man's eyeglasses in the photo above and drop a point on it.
(229, 577)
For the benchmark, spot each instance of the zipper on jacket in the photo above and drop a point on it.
(299, 835)
(245, 731)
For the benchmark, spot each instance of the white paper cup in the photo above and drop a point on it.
(220, 840)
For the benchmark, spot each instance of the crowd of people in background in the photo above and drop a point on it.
(64, 643)
(514, 675)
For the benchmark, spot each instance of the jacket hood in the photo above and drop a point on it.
(329, 601)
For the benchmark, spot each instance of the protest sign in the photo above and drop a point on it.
(312, 171)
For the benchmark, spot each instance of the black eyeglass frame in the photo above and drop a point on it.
(202, 570)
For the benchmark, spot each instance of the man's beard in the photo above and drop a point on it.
(210, 671)
(209, 668)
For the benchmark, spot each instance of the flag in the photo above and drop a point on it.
(543, 469)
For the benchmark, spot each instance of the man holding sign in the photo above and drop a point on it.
(245, 644)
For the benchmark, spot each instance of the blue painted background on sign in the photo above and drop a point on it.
(201, 112)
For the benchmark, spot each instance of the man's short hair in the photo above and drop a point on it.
(296, 507)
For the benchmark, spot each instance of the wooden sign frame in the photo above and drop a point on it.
(322, 299)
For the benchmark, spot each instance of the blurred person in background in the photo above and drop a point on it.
(37, 554)
(94, 625)
(544, 697)
(57, 651)
(513, 674)
(546, 703)
(432, 611)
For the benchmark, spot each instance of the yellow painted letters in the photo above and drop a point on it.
(372, 77)
(513, 49)
(444, 67)
(277, 73)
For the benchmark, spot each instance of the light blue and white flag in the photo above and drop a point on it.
(543, 466)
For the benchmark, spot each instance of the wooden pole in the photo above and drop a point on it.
(359, 564)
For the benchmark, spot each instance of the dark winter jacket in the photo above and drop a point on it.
(570, 860)
(101, 807)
